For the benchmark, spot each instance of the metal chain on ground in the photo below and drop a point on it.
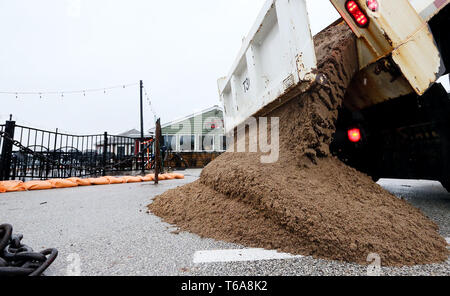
(17, 259)
(96, 169)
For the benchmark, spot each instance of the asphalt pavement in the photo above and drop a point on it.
(106, 230)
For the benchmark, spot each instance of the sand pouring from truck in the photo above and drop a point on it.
(394, 120)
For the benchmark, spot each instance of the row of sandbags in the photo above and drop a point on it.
(13, 186)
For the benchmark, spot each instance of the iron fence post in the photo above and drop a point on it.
(5, 160)
(105, 151)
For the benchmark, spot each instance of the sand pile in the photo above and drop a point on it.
(308, 202)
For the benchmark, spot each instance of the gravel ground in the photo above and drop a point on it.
(108, 229)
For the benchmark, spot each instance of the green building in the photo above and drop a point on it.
(199, 132)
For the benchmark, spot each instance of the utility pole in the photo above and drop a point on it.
(142, 127)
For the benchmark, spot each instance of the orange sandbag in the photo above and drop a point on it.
(168, 176)
(178, 176)
(80, 182)
(2, 188)
(148, 178)
(115, 180)
(62, 183)
(38, 185)
(99, 181)
(13, 186)
(162, 177)
(131, 179)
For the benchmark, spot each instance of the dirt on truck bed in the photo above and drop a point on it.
(308, 202)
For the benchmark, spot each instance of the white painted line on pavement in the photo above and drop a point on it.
(239, 255)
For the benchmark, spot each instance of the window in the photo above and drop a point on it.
(207, 143)
(170, 142)
(187, 143)
(223, 143)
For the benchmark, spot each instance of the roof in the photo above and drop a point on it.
(134, 133)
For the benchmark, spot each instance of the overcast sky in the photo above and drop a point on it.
(179, 48)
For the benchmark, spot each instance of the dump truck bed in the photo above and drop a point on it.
(397, 55)
(276, 58)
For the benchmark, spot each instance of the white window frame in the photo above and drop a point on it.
(200, 143)
(179, 142)
(176, 141)
(220, 146)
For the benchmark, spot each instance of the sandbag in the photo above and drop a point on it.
(131, 179)
(2, 188)
(168, 176)
(99, 181)
(115, 180)
(179, 176)
(38, 185)
(80, 182)
(148, 178)
(13, 186)
(62, 183)
(162, 177)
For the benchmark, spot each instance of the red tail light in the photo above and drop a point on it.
(357, 14)
(354, 135)
(373, 5)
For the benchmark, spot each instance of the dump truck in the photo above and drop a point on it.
(394, 122)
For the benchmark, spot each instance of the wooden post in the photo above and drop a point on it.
(157, 150)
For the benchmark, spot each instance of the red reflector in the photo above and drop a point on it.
(355, 11)
(373, 5)
(354, 135)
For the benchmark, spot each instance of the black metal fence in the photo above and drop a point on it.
(29, 153)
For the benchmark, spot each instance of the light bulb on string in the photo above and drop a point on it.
(63, 93)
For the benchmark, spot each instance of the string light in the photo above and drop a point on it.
(83, 91)
(150, 102)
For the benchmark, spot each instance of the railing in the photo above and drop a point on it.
(41, 154)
